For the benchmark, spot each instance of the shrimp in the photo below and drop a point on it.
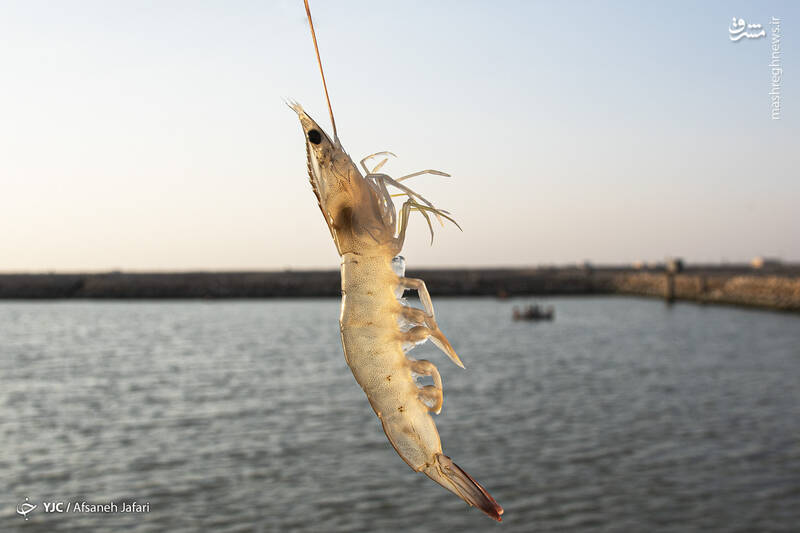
(377, 326)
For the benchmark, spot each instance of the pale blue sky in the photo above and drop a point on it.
(153, 135)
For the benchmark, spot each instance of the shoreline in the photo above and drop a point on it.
(773, 288)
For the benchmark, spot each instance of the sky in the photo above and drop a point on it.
(152, 136)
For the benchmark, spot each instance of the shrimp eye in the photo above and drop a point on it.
(314, 136)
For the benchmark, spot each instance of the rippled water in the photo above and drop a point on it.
(622, 415)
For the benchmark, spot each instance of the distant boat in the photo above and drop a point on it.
(534, 312)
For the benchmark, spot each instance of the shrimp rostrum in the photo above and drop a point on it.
(377, 327)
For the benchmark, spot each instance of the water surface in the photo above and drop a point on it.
(622, 415)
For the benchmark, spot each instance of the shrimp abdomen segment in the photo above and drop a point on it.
(373, 348)
(381, 368)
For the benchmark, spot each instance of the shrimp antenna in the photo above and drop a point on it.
(319, 61)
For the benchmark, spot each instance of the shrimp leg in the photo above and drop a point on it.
(421, 172)
(402, 187)
(431, 329)
(429, 393)
(422, 290)
(363, 161)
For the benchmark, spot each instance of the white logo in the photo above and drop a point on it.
(25, 508)
(738, 26)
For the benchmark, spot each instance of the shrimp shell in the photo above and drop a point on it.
(377, 328)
